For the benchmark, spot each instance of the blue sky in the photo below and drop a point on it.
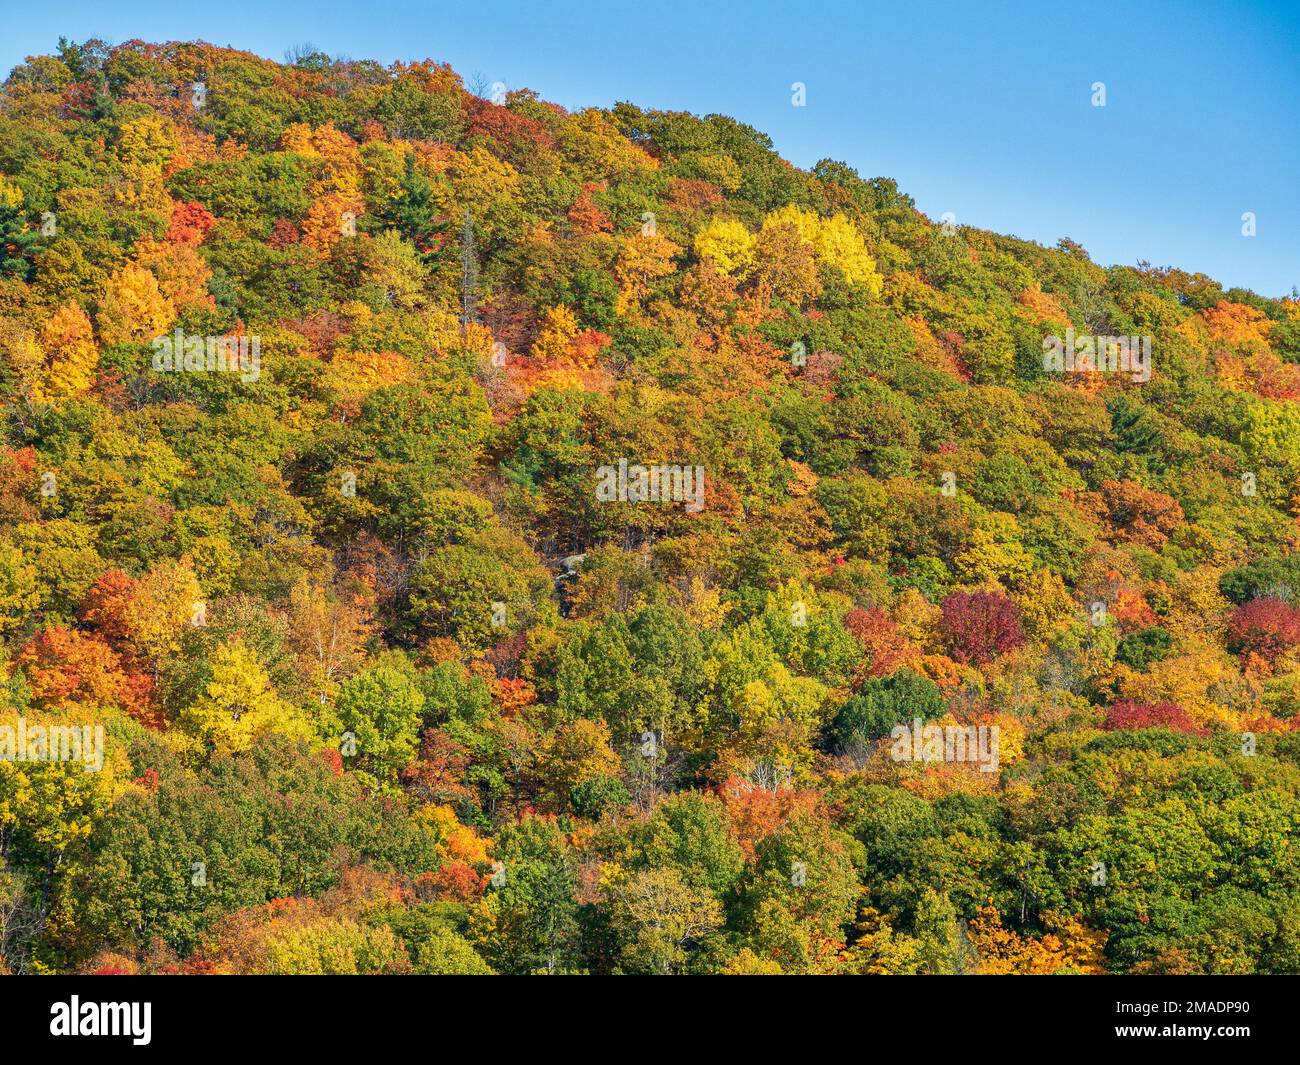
(981, 109)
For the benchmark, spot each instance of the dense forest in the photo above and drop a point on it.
(441, 532)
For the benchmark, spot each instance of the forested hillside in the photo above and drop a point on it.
(489, 538)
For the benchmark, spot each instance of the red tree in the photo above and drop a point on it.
(67, 668)
(190, 224)
(1265, 627)
(585, 215)
(979, 626)
(455, 882)
(1131, 714)
(103, 607)
(886, 646)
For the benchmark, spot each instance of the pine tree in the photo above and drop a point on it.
(412, 213)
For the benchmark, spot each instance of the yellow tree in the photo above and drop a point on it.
(1045, 603)
(70, 356)
(133, 309)
(239, 704)
(160, 606)
(22, 353)
(577, 752)
(182, 273)
(353, 375)
(1069, 948)
(839, 244)
(489, 188)
(559, 329)
(728, 244)
(337, 199)
(20, 592)
(600, 152)
(328, 633)
(835, 241)
(643, 259)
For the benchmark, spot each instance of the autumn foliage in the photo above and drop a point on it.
(632, 554)
(978, 626)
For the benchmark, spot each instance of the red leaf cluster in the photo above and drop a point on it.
(1264, 627)
(1131, 714)
(979, 626)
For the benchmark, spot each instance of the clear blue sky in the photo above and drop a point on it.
(982, 109)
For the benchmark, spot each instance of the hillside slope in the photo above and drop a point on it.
(495, 538)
